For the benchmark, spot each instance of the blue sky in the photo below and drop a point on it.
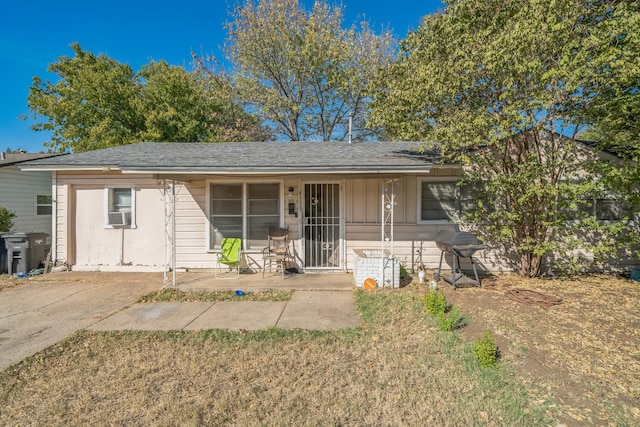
(33, 34)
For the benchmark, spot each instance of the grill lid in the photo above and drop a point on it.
(462, 243)
(455, 238)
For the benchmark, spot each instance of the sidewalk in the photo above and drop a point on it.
(320, 310)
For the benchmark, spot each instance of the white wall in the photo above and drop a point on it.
(83, 241)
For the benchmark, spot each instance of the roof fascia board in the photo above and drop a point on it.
(50, 168)
(306, 171)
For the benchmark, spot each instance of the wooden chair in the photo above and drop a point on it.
(277, 251)
(231, 248)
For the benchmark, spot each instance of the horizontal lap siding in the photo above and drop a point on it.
(18, 190)
(414, 245)
(192, 227)
(62, 226)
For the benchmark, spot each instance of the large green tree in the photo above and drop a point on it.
(614, 114)
(98, 102)
(499, 85)
(301, 71)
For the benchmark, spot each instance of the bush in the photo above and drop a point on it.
(452, 320)
(486, 351)
(448, 318)
(435, 302)
(6, 219)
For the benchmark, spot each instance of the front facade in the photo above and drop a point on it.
(151, 205)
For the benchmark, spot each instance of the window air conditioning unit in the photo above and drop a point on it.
(119, 218)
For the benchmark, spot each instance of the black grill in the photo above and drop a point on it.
(460, 244)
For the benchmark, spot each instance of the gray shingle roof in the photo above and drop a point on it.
(249, 157)
(15, 158)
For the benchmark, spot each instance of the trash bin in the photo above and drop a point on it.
(24, 251)
(37, 249)
(3, 257)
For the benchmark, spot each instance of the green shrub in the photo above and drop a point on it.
(6, 219)
(452, 320)
(486, 351)
(449, 318)
(435, 302)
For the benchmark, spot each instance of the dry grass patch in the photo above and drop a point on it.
(7, 281)
(398, 369)
(176, 295)
(584, 353)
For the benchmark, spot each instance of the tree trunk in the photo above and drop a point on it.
(530, 264)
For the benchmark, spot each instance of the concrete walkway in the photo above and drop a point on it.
(306, 310)
(38, 314)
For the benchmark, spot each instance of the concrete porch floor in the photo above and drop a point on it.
(205, 280)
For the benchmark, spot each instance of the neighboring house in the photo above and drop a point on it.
(28, 194)
(143, 206)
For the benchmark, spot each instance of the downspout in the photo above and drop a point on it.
(54, 216)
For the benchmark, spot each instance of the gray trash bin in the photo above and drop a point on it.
(17, 246)
(3, 257)
(37, 249)
(25, 251)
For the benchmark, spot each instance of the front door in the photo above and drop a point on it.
(322, 226)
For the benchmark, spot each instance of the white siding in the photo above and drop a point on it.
(18, 191)
(83, 240)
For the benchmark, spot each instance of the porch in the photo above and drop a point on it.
(205, 280)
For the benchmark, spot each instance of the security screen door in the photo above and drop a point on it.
(322, 225)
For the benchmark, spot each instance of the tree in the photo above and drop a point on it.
(6, 219)
(98, 102)
(499, 84)
(93, 104)
(302, 72)
(229, 122)
(615, 113)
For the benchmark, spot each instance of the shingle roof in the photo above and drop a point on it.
(15, 158)
(249, 157)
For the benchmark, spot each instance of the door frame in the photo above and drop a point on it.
(341, 224)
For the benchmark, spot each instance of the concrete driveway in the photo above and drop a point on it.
(37, 314)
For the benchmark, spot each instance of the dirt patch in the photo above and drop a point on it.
(584, 352)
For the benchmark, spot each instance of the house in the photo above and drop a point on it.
(28, 194)
(145, 206)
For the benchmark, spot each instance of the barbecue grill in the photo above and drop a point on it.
(460, 244)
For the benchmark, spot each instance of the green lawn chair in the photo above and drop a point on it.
(231, 248)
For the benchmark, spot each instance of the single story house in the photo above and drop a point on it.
(27, 194)
(146, 206)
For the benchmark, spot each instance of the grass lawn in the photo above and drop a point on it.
(397, 369)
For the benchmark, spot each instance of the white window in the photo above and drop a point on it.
(120, 207)
(43, 204)
(244, 210)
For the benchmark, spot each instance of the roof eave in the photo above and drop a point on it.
(279, 171)
(52, 168)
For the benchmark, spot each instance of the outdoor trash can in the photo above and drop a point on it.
(3, 256)
(24, 251)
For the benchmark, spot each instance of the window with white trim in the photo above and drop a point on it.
(120, 207)
(245, 210)
(43, 204)
(438, 201)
